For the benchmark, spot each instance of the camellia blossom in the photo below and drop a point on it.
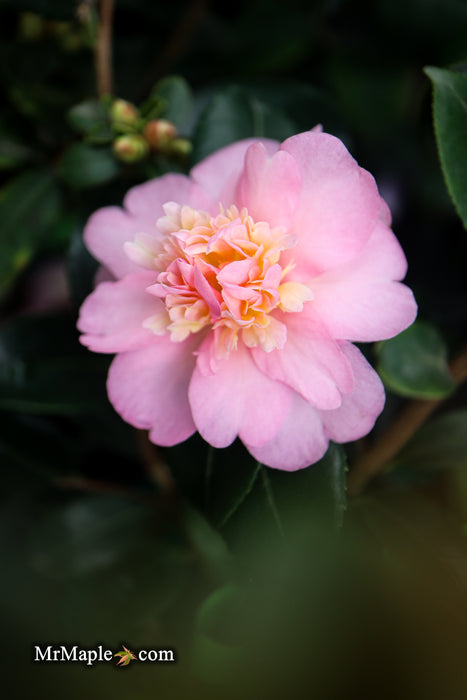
(235, 296)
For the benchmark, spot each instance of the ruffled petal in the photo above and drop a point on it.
(105, 234)
(145, 201)
(311, 362)
(218, 174)
(358, 301)
(359, 410)
(339, 203)
(236, 400)
(299, 442)
(269, 187)
(149, 388)
(112, 317)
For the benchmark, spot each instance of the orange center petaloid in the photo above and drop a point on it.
(221, 271)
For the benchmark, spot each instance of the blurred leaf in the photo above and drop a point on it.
(208, 544)
(414, 363)
(272, 122)
(172, 98)
(29, 205)
(440, 444)
(35, 443)
(219, 641)
(87, 115)
(85, 166)
(228, 117)
(318, 490)
(50, 9)
(450, 119)
(13, 154)
(82, 268)
(43, 369)
(87, 534)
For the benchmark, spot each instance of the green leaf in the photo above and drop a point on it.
(13, 154)
(450, 119)
(414, 363)
(173, 99)
(29, 205)
(86, 535)
(34, 443)
(320, 489)
(86, 166)
(228, 117)
(219, 639)
(87, 115)
(440, 444)
(82, 268)
(43, 368)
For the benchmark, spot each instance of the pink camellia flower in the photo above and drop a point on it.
(237, 292)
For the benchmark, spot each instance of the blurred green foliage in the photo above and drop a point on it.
(268, 584)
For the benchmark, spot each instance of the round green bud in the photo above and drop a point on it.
(130, 148)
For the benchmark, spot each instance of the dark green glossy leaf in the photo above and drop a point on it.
(43, 369)
(414, 363)
(440, 444)
(13, 154)
(86, 166)
(82, 268)
(29, 206)
(450, 118)
(174, 98)
(272, 122)
(228, 117)
(35, 444)
(87, 115)
(86, 535)
(49, 9)
(219, 639)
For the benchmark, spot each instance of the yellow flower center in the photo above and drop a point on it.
(222, 271)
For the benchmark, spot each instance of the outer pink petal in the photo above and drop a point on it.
(359, 410)
(269, 187)
(237, 400)
(358, 300)
(145, 201)
(299, 442)
(311, 362)
(111, 317)
(218, 174)
(339, 202)
(149, 388)
(106, 232)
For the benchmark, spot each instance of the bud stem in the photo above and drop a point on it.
(103, 50)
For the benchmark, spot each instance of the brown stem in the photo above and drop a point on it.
(103, 51)
(399, 433)
(155, 465)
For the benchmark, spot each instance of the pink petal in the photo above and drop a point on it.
(218, 174)
(311, 362)
(339, 203)
(149, 388)
(111, 317)
(236, 400)
(358, 301)
(145, 201)
(269, 187)
(105, 234)
(359, 410)
(299, 442)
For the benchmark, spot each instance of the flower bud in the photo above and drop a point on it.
(130, 148)
(123, 115)
(181, 147)
(160, 133)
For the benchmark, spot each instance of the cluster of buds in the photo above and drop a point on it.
(139, 136)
